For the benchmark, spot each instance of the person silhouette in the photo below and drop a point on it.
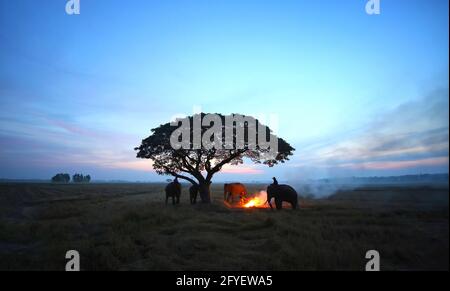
(275, 182)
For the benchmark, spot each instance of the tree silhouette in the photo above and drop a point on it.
(198, 165)
(61, 178)
(76, 178)
(79, 178)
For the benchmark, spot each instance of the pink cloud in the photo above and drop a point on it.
(138, 165)
(246, 170)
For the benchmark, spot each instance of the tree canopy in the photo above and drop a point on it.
(198, 164)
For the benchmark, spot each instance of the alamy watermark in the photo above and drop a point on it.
(374, 260)
(74, 260)
(229, 132)
(73, 7)
(373, 7)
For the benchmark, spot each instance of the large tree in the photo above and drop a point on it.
(199, 164)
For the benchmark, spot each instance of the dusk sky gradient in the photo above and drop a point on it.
(355, 94)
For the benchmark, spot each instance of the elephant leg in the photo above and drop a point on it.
(173, 199)
(270, 204)
(279, 204)
(178, 199)
(294, 205)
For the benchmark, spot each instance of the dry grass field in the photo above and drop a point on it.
(128, 227)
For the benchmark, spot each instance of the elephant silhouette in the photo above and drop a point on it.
(193, 192)
(281, 193)
(173, 190)
(232, 190)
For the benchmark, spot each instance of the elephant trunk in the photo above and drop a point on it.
(269, 198)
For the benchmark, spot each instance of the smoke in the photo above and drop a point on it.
(408, 140)
(327, 187)
(323, 188)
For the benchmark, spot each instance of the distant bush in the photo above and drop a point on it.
(79, 178)
(61, 178)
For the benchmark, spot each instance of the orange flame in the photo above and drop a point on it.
(258, 201)
(255, 202)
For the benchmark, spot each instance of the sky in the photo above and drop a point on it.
(354, 94)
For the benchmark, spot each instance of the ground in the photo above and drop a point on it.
(128, 227)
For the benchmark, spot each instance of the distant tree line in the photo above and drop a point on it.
(76, 178)
(61, 178)
(79, 178)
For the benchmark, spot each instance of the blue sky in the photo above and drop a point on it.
(354, 94)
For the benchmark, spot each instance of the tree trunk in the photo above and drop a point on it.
(205, 192)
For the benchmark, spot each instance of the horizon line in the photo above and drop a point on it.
(224, 181)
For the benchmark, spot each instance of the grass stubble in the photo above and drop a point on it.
(128, 227)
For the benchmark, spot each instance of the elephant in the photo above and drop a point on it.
(234, 189)
(282, 193)
(193, 192)
(173, 190)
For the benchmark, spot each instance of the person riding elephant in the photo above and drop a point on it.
(173, 190)
(275, 182)
(281, 193)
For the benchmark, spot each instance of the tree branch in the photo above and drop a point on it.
(183, 177)
(218, 167)
(199, 159)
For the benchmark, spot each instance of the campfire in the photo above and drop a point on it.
(256, 200)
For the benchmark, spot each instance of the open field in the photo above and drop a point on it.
(128, 227)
